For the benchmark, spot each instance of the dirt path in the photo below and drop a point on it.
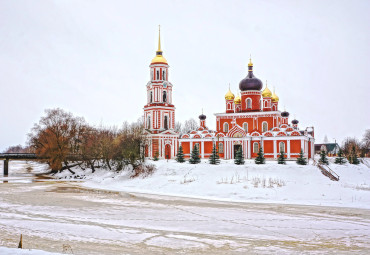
(51, 215)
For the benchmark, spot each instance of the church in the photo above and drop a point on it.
(252, 120)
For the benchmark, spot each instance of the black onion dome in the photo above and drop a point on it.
(295, 122)
(250, 82)
(285, 114)
(202, 117)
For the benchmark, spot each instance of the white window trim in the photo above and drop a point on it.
(226, 124)
(267, 126)
(280, 147)
(254, 151)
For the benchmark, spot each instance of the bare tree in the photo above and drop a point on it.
(348, 145)
(190, 125)
(56, 137)
(18, 149)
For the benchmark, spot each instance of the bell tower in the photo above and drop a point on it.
(159, 112)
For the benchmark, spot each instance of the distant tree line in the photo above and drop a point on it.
(65, 141)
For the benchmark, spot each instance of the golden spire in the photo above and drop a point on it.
(274, 97)
(266, 92)
(159, 56)
(159, 38)
(250, 60)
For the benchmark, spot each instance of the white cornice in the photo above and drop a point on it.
(239, 114)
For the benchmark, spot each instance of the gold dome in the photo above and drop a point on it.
(159, 59)
(237, 100)
(274, 97)
(229, 95)
(250, 61)
(159, 54)
(266, 92)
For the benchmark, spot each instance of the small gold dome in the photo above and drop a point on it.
(159, 59)
(237, 100)
(274, 98)
(266, 92)
(229, 95)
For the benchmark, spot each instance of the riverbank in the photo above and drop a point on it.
(269, 183)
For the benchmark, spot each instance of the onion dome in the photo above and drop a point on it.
(159, 59)
(202, 116)
(266, 92)
(237, 100)
(229, 95)
(285, 114)
(295, 122)
(250, 82)
(274, 97)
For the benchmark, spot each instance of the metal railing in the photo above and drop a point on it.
(325, 170)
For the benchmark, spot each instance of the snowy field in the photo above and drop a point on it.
(107, 214)
(269, 183)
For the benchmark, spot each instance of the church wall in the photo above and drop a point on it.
(208, 146)
(268, 147)
(295, 147)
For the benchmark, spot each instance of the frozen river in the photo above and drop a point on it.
(52, 215)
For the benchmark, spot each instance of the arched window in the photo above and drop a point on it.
(165, 122)
(158, 78)
(245, 127)
(265, 103)
(255, 148)
(164, 96)
(220, 148)
(249, 103)
(264, 126)
(148, 123)
(281, 147)
(163, 75)
(151, 96)
(226, 127)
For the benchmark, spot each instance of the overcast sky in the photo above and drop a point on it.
(92, 58)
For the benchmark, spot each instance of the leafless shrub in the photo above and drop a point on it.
(143, 170)
(256, 181)
(187, 179)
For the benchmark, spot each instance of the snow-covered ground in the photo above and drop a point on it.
(15, 251)
(57, 215)
(269, 183)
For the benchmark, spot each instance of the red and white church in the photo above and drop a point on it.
(251, 120)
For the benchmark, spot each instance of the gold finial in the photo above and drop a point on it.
(237, 99)
(159, 38)
(250, 60)
(274, 97)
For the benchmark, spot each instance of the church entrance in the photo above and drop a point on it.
(236, 148)
(167, 151)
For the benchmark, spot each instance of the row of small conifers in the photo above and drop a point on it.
(214, 159)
